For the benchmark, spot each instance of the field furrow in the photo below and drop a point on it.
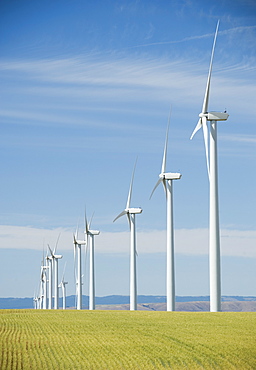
(35, 339)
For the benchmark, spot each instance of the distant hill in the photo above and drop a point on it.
(146, 302)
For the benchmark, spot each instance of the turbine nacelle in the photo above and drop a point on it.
(92, 232)
(62, 283)
(79, 242)
(133, 210)
(170, 176)
(57, 256)
(215, 116)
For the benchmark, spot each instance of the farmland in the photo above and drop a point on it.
(35, 339)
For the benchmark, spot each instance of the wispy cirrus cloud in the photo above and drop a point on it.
(249, 139)
(198, 37)
(126, 79)
(187, 241)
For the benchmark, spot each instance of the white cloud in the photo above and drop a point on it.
(99, 81)
(187, 241)
(249, 139)
(233, 30)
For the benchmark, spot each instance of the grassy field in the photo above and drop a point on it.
(37, 339)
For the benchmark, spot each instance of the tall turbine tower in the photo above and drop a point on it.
(55, 258)
(77, 248)
(214, 229)
(166, 178)
(90, 236)
(131, 212)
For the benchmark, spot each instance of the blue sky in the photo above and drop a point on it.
(86, 88)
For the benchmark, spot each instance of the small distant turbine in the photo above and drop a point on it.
(44, 286)
(214, 229)
(35, 301)
(62, 285)
(43, 280)
(49, 262)
(55, 258)
(131, 212)
(166, 179)
(90, 237)
(77, 248)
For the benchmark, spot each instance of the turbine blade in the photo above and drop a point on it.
(86, 258)
(129, 219)
(64, 272)
(120, 215)
(197, 128)
(166, 143)
(50, 251)
(130, 190)
(91, 220)
(77, 228)
(75, 273)
(86, 222)
(43, 253)
(205, 133)
(158, 182)
(165, 188)
(57, 241)
(207, 90)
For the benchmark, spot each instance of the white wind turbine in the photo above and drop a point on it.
(90, 236)
(62, 285)
(49, 261)
(43, 281)
(34, 301)
(38, 298)
(214, 232)
(77, 248)
(166, 178)
(55, 258)
(131, 212)
(44, 286)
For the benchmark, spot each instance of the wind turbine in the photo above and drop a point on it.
(77, 247)
(131, 212)
(62, 285)
(166, 179)
(49, 260)
(43, 280)
(212, 166)
(90, 236)
(44, 286)
(35, 301)
(55, 258)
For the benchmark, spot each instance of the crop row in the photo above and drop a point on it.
(35, 339)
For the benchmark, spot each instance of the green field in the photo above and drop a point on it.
(37, 339)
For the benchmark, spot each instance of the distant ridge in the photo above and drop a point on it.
(19, 303)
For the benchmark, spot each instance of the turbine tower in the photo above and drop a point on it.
(131, 212)
(77, 248)
(44, 286)
(62, 285)
(90, 235)
(35, 301)
(166, 178)
(49, 262)
(43, 283)
(55, 258)
(214, 229)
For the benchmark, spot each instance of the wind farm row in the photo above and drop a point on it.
(49, 269)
